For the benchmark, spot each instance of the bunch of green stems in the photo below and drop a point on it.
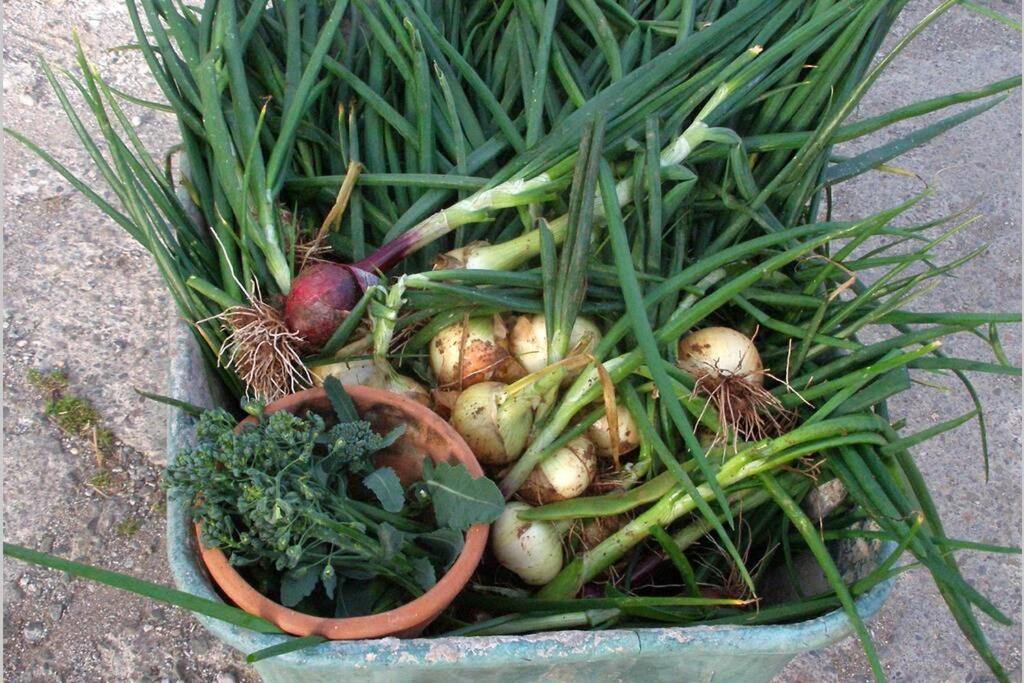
(464, 116)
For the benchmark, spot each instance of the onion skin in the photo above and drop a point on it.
(532, 550)
(528, 341)
(567, 473)
(465, 354)
(600, 434)
(320, 299)
(593, 532)
(495, 439)
(366, 372)
(720, 352)
(359, 371)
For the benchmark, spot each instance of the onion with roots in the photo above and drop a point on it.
(495, 426)
(528, 341)
(566, 474)
(531, 550)
(320, 299)
(601, 436)
(472, 351)
(727, 369)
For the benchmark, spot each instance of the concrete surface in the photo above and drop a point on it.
(80, 295)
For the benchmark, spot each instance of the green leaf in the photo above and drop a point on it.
(184, 406)
(194, 603)
(290, 645)
(355, 597)
(297, 584)
(391, 540)
(460, 501)
(340, 400)
(423, 573)
(385, 485)
(444, 544)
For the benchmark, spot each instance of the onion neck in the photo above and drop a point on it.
(514, 253)
(473, 209)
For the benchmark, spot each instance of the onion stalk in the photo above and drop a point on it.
(377, 370)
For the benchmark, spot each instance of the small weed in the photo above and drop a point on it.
(73, 415)
(52, 383)
(102, 482)
(128, 527)
(160, 506)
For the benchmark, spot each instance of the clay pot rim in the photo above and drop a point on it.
(407, 619)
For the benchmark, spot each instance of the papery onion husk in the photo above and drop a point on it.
(720, 353)
(472, 351)
(600, 434)
(496, 427)
(565, 474)
(727, 369)
(528, 341)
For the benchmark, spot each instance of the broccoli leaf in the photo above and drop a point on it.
(391, 540)
(423, 572)
(340, 400)
(444, 544)
(297, 584)
(329, 578)
(460, 501)
(385, 485)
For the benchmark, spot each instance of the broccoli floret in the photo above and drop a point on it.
(350, 445)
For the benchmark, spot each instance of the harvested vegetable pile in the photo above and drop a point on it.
(599, 237)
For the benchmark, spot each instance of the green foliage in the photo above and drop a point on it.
(73, 415)
(54, 382)
(102, 481)
(128, 527)
(459, 500)
(298, 506)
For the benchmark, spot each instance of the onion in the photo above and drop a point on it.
(472, 351)
(532, 550)
(727, 369)
(370, 373)
(565, 474)
(320, 299)
(600, 434)
(529, 340)
(593, 532)
(347, 372)
(495, 427)
(717, 353)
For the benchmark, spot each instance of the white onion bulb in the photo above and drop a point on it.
(473, 351)
(528, 340)
(565, 474)
(532, 550)
(497, 434)
(600, 434)
(718, 353)
(369, 373)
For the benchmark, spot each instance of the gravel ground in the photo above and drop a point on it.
(104, 318)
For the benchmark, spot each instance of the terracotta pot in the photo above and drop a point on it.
(426, 434)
